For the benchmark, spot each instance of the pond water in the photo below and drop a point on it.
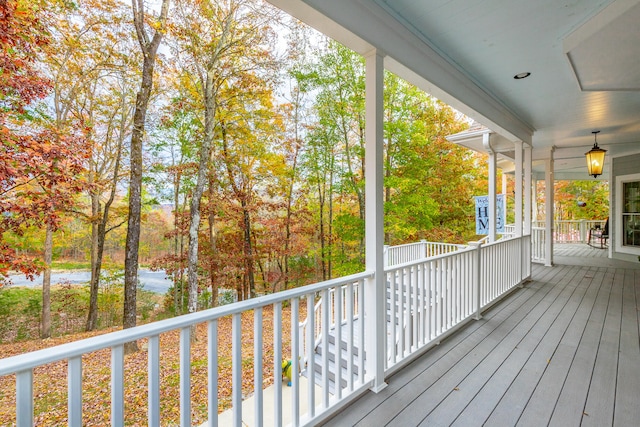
(154, 281)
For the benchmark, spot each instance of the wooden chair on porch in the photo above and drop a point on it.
(599, 235)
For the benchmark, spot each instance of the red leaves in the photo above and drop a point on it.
(21, 34)
(38, 166)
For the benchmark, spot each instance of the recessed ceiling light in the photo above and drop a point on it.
(521, 76)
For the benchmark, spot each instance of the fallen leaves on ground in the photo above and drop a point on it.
(50, 381)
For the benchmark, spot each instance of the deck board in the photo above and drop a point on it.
(516, 344)
(602, 391)
(570, 405)
(512, 404)
(566, 344)
(627, 410)
(514, 382)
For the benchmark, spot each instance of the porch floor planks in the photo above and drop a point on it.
(570, 405)
(602, 390)
(567, 343)
(539, 366)
(515, 380)
(517, 344)
(627, 410)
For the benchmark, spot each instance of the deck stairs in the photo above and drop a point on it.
(331, 348)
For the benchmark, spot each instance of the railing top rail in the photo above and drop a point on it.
(422, 242)
(31, 360)
(504, 241)
(394, 267)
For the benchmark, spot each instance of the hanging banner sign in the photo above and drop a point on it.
(482, 214)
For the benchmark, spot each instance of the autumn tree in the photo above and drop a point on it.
(429, 182)
(297, 117)
(21, 36)
(90, 86)
(223, 45)
(174, 151)
(144, 25)
(39, 162)
(575, 200)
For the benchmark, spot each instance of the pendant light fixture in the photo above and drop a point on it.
(595, 157)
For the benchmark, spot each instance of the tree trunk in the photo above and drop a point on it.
(177, 247)
(322, 233)
(248, 248)
(94, 284)
(212, 242)
(98, 236)
(330, 230)
(132, 246)
(203, 171)
(46, 284)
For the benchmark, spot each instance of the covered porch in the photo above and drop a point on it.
(563, 350)
(459, 337)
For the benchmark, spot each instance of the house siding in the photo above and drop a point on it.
(626, 165)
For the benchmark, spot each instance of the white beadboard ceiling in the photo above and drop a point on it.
(583, 56)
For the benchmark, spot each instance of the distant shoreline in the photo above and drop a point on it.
(154, 281)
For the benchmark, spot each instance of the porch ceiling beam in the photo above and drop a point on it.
(361, 25)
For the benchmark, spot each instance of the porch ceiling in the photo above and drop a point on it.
(582, 56)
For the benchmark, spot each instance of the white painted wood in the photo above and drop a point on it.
(277, 363)
(212, 372)
(325, 354)
(309, 355)
(185, 376)
(528, 189)
(24, 398)
(549, 209)
(362, 379)
(486, 142)
(390, 325)
(374, 214)
(74, 405)
(518, 188)
(350, 341)
(117, 385)
(295, 361)
(236, 369)
(258, 352)
(338, 347)
(153, 372)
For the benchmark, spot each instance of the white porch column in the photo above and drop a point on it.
(374, 315)
(548, 210)
(528, 190)
(518, 190)
(486, 141)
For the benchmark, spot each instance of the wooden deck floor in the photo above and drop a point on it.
(562, 351)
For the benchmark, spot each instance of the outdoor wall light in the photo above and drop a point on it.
(595, 157)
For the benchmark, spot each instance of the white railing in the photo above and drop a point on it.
(401, 254)
(538, 251)
(394, 255)
(509, 231)
(345, 304)
(429, 299)
(571, 231)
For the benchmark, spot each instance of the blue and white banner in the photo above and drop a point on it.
(482, 214)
